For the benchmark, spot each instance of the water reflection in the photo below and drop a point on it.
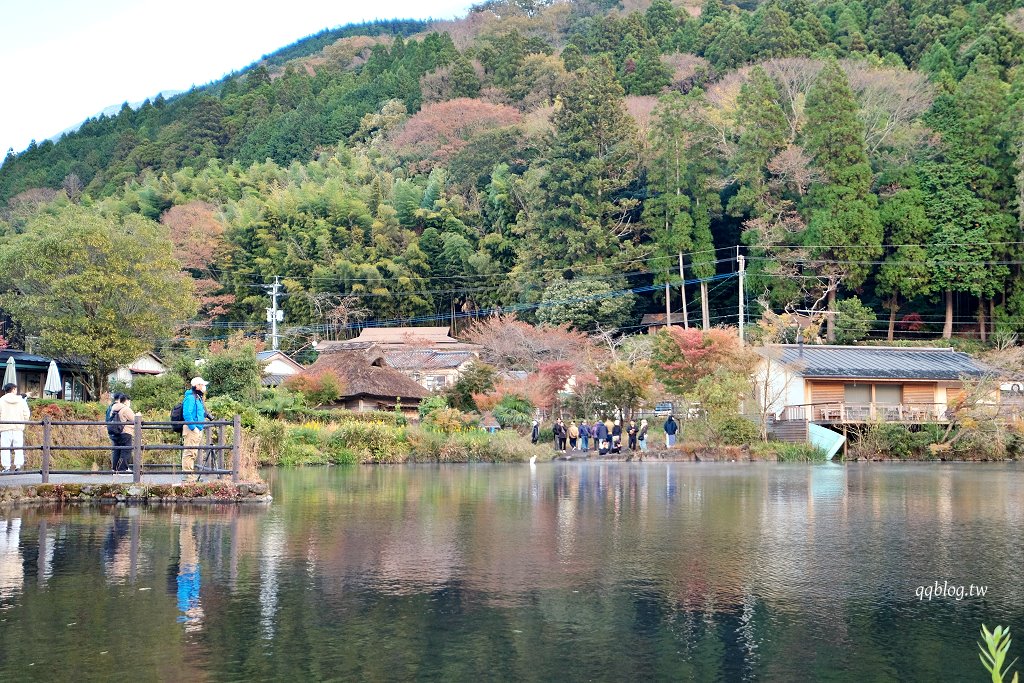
(570, 571)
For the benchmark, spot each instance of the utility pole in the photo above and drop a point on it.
(741, 260)
(274, 314)
(682, 290)
(668, 304)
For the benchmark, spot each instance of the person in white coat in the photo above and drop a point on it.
(13, 409)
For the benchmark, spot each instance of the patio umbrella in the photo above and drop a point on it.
(11, 373)
(53, 384)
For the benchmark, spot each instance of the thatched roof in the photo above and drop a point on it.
(364, 372)
(400, 339)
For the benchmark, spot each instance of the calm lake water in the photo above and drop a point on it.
(562, 572)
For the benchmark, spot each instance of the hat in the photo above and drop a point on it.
(199, 381)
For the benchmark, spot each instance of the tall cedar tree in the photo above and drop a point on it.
(844, 233)
(585, 213)
(967, 191)
(667, 210)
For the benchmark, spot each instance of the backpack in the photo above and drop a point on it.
(115, 425)
(177, 415)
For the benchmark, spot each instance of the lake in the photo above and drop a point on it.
(560, 572)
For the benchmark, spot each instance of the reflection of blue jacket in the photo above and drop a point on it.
(193, 411)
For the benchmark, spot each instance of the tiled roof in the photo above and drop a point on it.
(427, 360)
(876, 362)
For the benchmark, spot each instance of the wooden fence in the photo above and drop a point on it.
(210, 460)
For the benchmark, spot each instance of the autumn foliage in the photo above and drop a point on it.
(682, 357)
(440, 129)
(319, 387)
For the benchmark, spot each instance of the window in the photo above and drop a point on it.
(890, 394)
(857, 393)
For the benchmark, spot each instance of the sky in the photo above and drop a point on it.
(66, 60)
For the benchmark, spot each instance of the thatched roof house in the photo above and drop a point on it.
(367, 381)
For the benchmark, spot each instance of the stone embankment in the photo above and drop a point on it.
(213, 492)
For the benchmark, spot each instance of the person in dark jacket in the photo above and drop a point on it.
(535, 434)
(631, 433)
(616, 437)
(670, 431)
(600, 437)
(584, 436)
(560, 434)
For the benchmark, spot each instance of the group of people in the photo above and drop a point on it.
(120, 422)
(121, 428)
(606, 436)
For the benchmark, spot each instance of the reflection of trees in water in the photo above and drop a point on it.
(601, 571)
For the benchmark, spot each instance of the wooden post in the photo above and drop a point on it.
(45, 467)
(236, 447)
(137, 451)
(221, 441)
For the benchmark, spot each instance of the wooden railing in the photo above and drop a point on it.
(210, 460)
(867, 412)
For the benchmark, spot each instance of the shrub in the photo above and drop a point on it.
(449, 421)
(789, 452)
(319, 387)
(735, 430)
(513, 411)
(891, 440)
(237, 373)
(431, 404)
(157, 394)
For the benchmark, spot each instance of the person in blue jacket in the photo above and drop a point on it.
(585, 436)
(193, 411)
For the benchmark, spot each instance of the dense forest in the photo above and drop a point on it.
(564, 161)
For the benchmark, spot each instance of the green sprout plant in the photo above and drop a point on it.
(993, 653)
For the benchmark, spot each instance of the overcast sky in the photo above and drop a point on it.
(65, 60)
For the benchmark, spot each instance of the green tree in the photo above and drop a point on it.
(102, 289)
(844, 234)
(584, 212)
(854, 320)
(905, 271)
(585, 303)
(625, 386)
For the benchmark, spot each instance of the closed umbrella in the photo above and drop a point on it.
(53, 384)
(11, 373)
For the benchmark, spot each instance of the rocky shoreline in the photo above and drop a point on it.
(201, 493)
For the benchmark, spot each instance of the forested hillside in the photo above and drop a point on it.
(554, 159)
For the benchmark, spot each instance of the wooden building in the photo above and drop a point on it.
(850, 385)
(368, 383)
(427, 355)
(277, 367)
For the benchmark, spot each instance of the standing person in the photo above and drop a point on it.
(631, 433)
(585, 436)
(617, 437)
(121, 430)
(193, 411)
(670, 431)
(535, 433)
(13, 408)
(560, 434)
(642, 438)
(574, 436)
(114, 400)
(600, 437)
